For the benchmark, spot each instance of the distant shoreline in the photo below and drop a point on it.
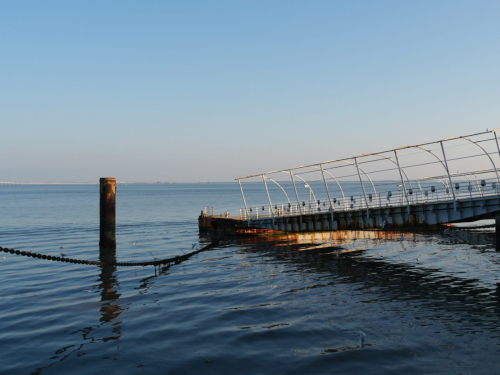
(118, 182)
(48, 183)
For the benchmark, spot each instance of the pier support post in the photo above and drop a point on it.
(107, 208)
(497, 231)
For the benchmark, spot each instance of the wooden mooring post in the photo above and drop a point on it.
(107, 208)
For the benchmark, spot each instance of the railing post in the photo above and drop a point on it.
(496, 139)
(421, 192)
(244, 201)
(327, 191)
(449, 177)
(363, 188)
(296, 195)
(269, 199)
(403, 183)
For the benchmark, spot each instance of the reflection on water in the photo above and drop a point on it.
(389, 285)
(458, 296)
(427, 302)
(109, 311)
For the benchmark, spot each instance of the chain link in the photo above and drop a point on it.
(167, 261)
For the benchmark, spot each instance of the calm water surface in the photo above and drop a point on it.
(428, 303)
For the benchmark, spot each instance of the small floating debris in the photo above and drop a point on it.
(361, 336)
(358, 333)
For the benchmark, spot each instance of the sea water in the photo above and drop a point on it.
(291, 304)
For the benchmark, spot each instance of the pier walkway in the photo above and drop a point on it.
(446, 181)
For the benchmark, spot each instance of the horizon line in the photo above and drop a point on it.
(118, 182)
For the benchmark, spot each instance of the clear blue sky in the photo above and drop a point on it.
(212, 90)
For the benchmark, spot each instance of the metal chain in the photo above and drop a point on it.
(167, 261)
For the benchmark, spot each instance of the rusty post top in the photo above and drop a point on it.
(107, 179)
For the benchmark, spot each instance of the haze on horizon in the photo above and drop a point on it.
(208, 91)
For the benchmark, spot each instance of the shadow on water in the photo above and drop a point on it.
(460, 297)
(109, 312)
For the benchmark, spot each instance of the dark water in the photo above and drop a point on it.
(428, 303)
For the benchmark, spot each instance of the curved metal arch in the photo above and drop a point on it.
(331, 175)
(367, 176)
(284, 192)
(437, 157)
(472, 183)
(433, 154)
(445, 186)
(486, 153)
(444, 183)
(437, 180)
(402, 169)
(304, 181)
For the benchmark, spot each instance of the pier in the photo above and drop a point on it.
(421, 186)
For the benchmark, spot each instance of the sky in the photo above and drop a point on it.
(194, 91)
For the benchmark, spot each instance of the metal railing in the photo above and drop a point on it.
(432, 194)
(407, 186)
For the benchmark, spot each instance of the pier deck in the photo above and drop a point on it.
(412, 187)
